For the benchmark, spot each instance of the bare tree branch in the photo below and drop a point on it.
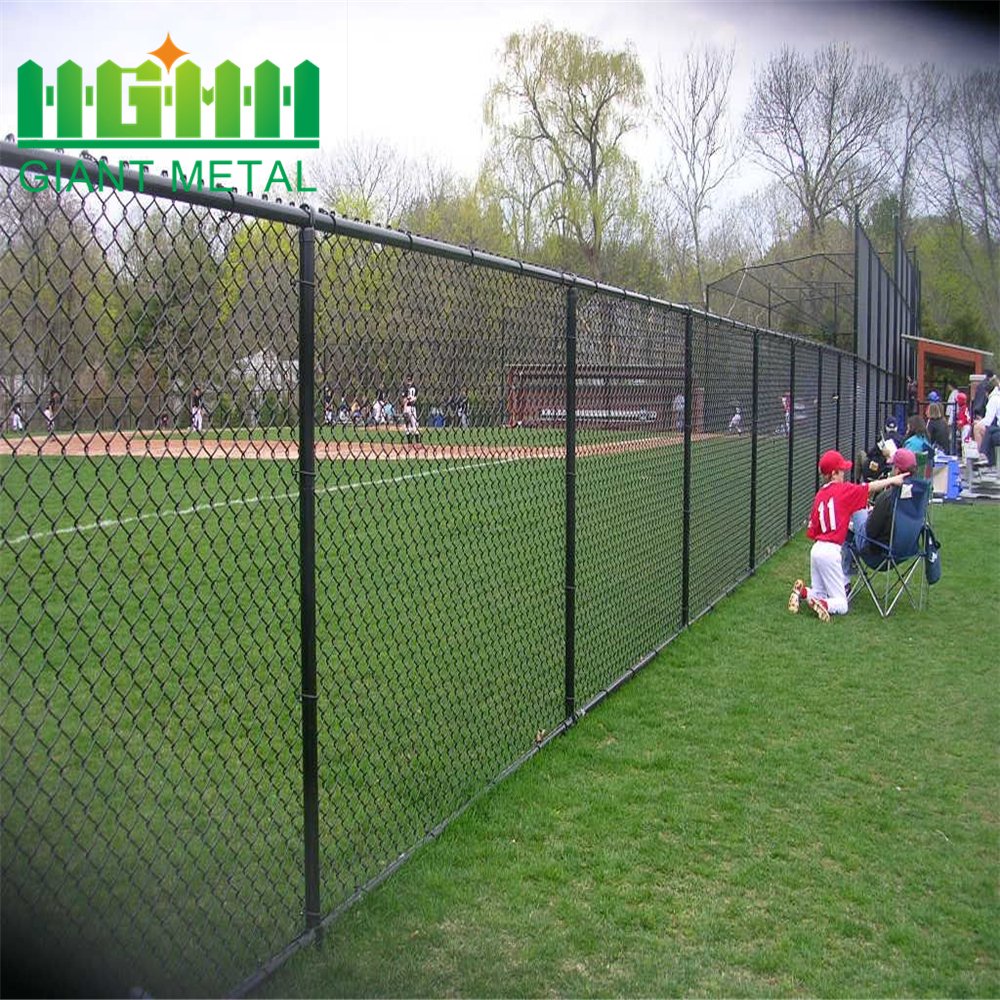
(818, 125)
(691, 109)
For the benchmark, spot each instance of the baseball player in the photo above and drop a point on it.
(679, 412)
(16, 420)
(832, 508)
(410, 412)
(736, 421)
(327, 406)
(51, 410)
(197, 408)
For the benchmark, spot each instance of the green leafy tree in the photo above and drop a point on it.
(967, 186)
(59, 307)
(558, 114)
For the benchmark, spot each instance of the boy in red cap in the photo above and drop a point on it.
(832, 508)
(963, 421)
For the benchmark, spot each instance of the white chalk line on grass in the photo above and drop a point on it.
(114, 523)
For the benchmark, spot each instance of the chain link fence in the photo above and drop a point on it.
(326, 530)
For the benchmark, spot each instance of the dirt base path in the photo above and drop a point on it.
(154, 445)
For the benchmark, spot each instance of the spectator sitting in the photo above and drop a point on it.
(916, 437)
(874, 524)
(987, 430)
(978, 405)
(875, 463)
(932, 398)
(937, 429)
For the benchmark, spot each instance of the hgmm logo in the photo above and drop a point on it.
(266, 95)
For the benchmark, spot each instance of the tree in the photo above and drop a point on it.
(815, 125)
(168, 282)
(455, 212)
(691, 108)
(559, 111)
(967, 170)
(919, 117)
(58, 290)
(366, 179)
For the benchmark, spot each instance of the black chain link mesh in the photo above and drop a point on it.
(773, 425)
(720, 460)
(805, 475)
(151, 725)
(630, 371)
(440, 565)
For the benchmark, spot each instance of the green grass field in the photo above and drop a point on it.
(151, 778)
(773, 807)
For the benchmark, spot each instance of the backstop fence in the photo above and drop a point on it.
(263, 638)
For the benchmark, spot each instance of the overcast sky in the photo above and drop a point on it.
(415, 73)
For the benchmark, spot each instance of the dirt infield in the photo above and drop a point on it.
(154, 445)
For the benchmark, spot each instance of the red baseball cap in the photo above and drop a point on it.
(832, 461)
(904, 460)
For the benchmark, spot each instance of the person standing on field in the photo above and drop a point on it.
(410, 412)
(834, 504)
(327, 406)
(679, 412)
(197, 408)
(51, 411)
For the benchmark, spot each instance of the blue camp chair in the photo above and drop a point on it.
(904, 556)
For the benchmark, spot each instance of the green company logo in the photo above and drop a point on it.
(187, 96)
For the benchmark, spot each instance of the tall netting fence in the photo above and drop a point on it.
(313, 531)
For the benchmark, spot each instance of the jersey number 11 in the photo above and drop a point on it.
(829, 513)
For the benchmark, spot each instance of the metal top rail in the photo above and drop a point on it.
(160, 185)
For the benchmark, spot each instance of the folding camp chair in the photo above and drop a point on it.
(903, 558)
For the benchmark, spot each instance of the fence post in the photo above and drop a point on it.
(307, 551)
(754, 396)
(854, 406)
(688, 412)
(868, 349)
(882, 319)
(570, 678)
(791, 440)
(819, 417)
(840, 358)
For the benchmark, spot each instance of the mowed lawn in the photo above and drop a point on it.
(773, 807)
(151, 711)
(151, 714)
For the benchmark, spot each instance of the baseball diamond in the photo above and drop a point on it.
(312, 531)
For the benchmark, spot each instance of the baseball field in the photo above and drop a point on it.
(151, 685)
